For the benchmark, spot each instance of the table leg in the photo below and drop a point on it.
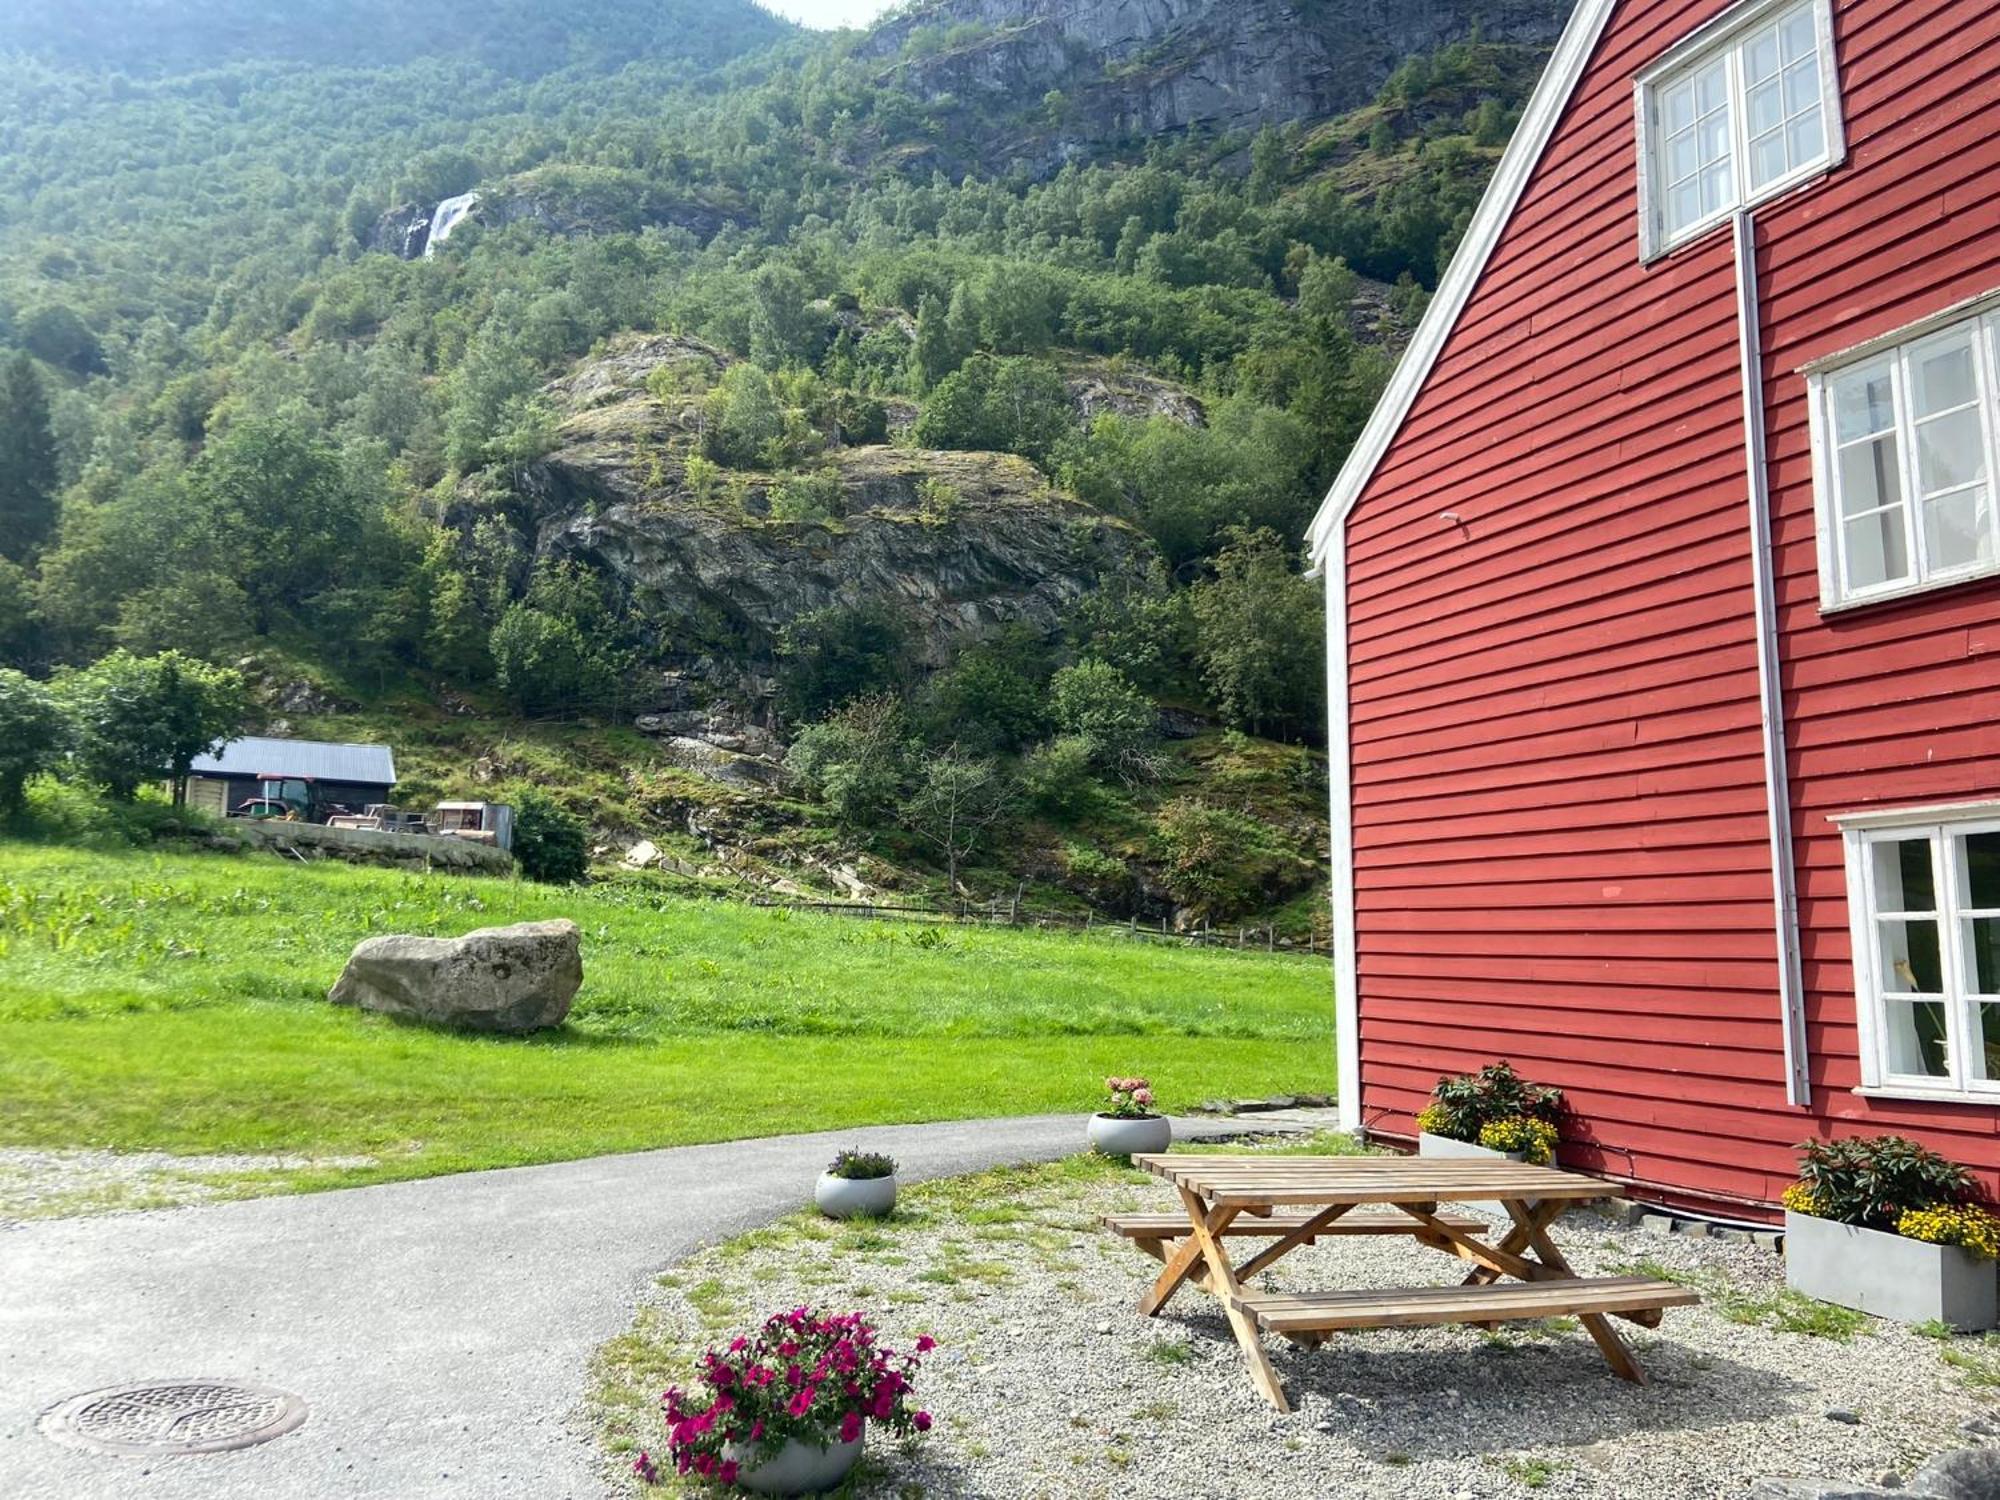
(1183, 1261)
(1222, 1281)
(1597, 1325)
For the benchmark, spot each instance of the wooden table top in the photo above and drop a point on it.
(1267, 1181)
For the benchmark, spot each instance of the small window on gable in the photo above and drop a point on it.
(1743, 109)
(1906, 444)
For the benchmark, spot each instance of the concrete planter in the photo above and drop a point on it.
(797, 1468)
(1111, 1136)
(1444, 1145)
(1876, 1272)
(855, 1197)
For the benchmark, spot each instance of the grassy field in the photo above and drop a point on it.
(177, 1003)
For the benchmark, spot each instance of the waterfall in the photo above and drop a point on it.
(447, 218)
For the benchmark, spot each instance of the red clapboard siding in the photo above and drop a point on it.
(1559, 841)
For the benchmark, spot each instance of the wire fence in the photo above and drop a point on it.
(1013, 914)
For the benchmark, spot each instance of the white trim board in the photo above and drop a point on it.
(1503, 194)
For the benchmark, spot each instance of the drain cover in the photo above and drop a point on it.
(174, 1416)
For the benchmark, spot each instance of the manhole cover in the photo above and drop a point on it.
(174, 1416)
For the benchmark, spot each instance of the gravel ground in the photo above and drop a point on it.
(58, 1184)
(1047, 1383)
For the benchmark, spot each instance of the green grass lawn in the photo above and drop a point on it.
(177, 1003)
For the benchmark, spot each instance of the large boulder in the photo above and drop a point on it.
(512, 979)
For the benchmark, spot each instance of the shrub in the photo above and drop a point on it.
(1874, 1181)
(34, 731)
(845, 1377)
(1462, 1106)
(549, 843)
(1093, 699)
(1057, 779)
(807, 498)
(1131, 1099)
(1534, 1139)
(854, 763)
(1220, 864)
(862, 1166)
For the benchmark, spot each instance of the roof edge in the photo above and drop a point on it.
(1510, 179)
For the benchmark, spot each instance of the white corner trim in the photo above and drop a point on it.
(1503, 193)
(1911, 817)
(1770, 700)
(1340, 824)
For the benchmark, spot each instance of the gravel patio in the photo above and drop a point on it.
(1046, 1383)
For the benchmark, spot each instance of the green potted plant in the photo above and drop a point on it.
(1131, 1124)
(1494, 1112)
(857, 1183)
(785, 1411)
(1888, 1227)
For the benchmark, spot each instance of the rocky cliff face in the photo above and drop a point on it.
(1138, 68)
(957, 544)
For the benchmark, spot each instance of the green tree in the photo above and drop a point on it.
(34, 733)
(744, 423)
(547, 665)
(1260, 637)
(1267, 165)
(829, 657)
(854, 763)
(1093, 699)
(138, 718)
(28, 472)
(551, 845)
(1012, 405)
(955, 802)
(936, 352)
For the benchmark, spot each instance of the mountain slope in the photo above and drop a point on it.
(523, 38)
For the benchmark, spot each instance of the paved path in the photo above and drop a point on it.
(438, 1330)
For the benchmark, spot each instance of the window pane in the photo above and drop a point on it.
(1957, 530)
(1910, 961)
(1982, 955)
(1683, 205)
(1869, 476)
(1760, 56)
(1876, 550)
(1951, 451)
(1715, 189)
(1916, 1038)
(1986, 1041)
(1767, 158)
(1797, 32)
(1713, 134)
(1681, 158)
(1802, 87)
(1903, 875)
(1979, 858)
(1864, 403)
(1677, 107)
(1805, 140)
(1942, 377)
(1765, 109)
(1711, 87)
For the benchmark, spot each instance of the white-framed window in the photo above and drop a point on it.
(1924, 904)
(1906, 445)
(1743, 109)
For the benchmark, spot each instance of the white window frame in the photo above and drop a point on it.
(1943, 826)
(1719, 38)
(1982, 316)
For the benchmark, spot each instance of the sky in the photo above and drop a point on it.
(829, 13)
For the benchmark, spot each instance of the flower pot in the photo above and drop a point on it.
(854, 1197)
(1112, 1136)
(1876, 1272)
(1444, 1145)
(798, 1468)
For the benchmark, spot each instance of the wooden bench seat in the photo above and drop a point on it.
(1355, 1221)
(1291, 1313)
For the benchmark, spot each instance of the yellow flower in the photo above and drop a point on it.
(1800, 1200)
(1534, 1139)
(1963, 1224)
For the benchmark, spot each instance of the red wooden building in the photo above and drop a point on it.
(1663, 604)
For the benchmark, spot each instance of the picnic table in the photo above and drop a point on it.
(1294, 1201)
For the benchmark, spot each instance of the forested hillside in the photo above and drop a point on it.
(832, 457)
